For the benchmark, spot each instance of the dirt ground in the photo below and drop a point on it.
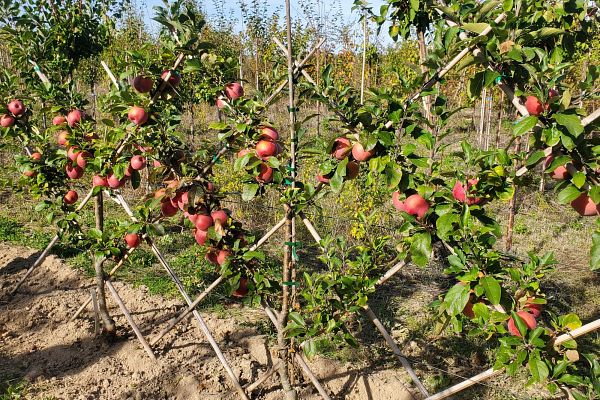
(65, 360)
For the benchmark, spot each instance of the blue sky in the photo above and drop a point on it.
(231, 8)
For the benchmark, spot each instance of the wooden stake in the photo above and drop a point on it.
(109, 325)
(129, 318)
(364, 60)
(250, 387)
(583, 330)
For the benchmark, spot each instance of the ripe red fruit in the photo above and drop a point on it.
(416, 205)
(175, 78)
(73, 153)
(534, 308)
(220, 216)
(220, 103)
(397, 202)
(137, 115)
(70, 197)
(200, 236)
(528, 318)
(266, 149)
(234, 90)
(243, 152)
(6, 121)
(533, 106)
(74, 117)
(553, 93)
(341, 148)
(62, 138)
(203, 222)
(167, 209)
(560, 173)
(265, 175)
(352, 169)
(59, 120)
(222, 256)
(82, 158)
(323, 179)
(211, 255)
(468, 310)
(133, 240)
(114, 182)
(30, 173)
(98, 180)
(460, 194)
(74, 171)
(181, 200)
(242, 289)
(138, 162)
(585, 206)
(142, 84)
(268, 133)
(16, 107)
(36, 156)
(360, 154)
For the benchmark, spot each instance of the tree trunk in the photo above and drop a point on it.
(424, 70)
(364, 61)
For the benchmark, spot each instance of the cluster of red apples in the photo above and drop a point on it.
(266, 146)
(16, 109)
(342, 148)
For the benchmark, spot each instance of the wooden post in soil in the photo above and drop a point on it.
(109, 325)
(288, 259)
(424, 70)
(500, 116)
(364, 60)
(512, 206)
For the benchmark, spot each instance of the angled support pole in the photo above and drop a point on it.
(211, 287)
(46, 251)
(203, 327)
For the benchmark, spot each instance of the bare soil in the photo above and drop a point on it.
(66, 360)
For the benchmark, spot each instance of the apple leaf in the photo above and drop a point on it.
(571, 122)
(578, 179)
(456, 299)
(249, 191)
(475, 27)
(525, 125)
(492, 289)
(445, 225)
(568, 194)
(420, 248)
(538, 368)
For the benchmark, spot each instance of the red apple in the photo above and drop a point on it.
(6, 121)
(416, 205)
(533, 106)
(553, 93)
(210, 187)
(59, 120)
(220, 216)
(220, 103)
(222, 256)
(585, 206)
(200, 236)
(98, 180)
(203, 222)
(129, 171)
(74, 117)
(73, 152)
(266, 149)
(341, 148)
(167, 209)
(82, 158)
(360, 154)
(528, 318)
(323, 179)
(29, 173)
(352, 169)
(534, 308)
(137, 115)
(460, 194)
(74, 171)
(142, 84)
(243, 152)
(138, 162)
(242, 289)
(114, 182)
(397, 202)
(234, 91)
(133, 240)
(212, 254)
(62, 138)
(181, 200)
(70, 197)
(265, 175)
(560, 173)
(16, 107)
(36, 156)
(174, 79)
(468, 310)
(268, 133)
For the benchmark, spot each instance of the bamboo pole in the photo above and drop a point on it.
(129, 319)
(364, 60)
(575, 333)
(211, 287)
(203, 327)
(49, 247)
